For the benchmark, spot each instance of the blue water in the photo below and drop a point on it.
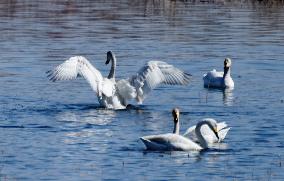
(56, 131)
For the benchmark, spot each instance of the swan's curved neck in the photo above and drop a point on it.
(227, 72)
(176, 128)
(201, 139)
(111, 74)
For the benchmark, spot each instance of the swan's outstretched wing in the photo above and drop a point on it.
(78, 65)
(155, 73)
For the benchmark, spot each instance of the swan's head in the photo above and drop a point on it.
(227, 62)
(175, 114)
(213, 125)
(110, 56)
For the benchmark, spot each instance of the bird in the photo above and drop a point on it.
(209, 136)
(214, 79)
(176, 142)
(113, 94)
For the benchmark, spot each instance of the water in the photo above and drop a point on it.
(55, 131)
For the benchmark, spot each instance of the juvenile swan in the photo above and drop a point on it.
(114, 94)
(208, 134)
(216, 79)
(174, 141)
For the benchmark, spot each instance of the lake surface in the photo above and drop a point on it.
(56, 131)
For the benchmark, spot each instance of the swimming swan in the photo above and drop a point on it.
(115, 94)
(208, 134)
(174, 141)
(220, 79)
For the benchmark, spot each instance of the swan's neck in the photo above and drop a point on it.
(201, 139)
(227, 80)
(227, 72)
(176, 128)
(111, 74)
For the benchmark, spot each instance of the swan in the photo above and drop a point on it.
(176, 142)
(113, 94)
(208, 134)
(220, 79)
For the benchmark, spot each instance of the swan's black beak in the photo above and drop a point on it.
(216, 133)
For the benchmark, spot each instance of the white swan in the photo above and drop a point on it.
(174, 141)
(208, 134)
(115, 94)
(216, 79)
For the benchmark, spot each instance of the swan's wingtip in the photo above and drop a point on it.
(145, 140)
(142, 139)
(188, 74)
(187, 78)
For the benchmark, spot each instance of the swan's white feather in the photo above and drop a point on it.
(155, 73)
(168, 142)
(222, 133)
(213, 79)
(125, 90)
(108, 87)
(220, 125)
(209, 136)
(75, 66)
(190, 133)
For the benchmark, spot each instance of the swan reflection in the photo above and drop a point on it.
(87, 127)
(93, 117)
(228, 97)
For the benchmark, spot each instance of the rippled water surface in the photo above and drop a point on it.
(56, 131)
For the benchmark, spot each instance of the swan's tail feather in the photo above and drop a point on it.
(223, 132)
(151, 145)
(221, 125)
(189, 131)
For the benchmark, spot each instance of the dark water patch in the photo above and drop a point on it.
(79, 143)
(6, 74)
(26, 127)
(88, 126)
(216, 150)
(130, 149)
(55, 108)
(20, 126)
(261, 140)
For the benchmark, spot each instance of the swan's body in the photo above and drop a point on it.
(214, 79)
(174, 141)
(169, 142)
(115, 94)
(208, 134)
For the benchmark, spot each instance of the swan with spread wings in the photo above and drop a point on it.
(114, 94)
